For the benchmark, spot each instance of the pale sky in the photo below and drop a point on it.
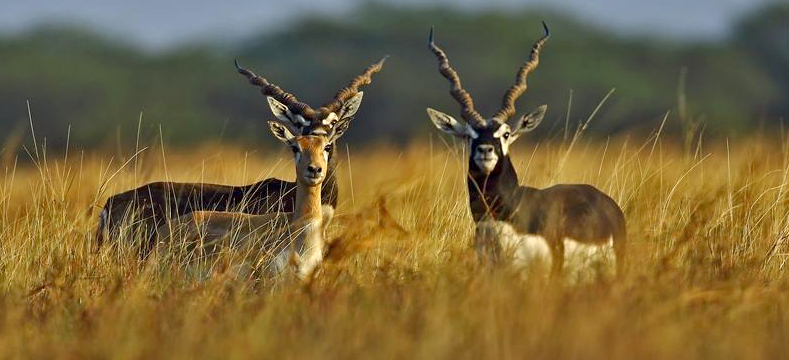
(158, 24)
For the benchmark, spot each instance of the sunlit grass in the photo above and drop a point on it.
(707, 272)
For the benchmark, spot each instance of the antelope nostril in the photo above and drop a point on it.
(485, 149)
(315, 169)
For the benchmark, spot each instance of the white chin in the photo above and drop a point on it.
(486, 165)
(312, 181)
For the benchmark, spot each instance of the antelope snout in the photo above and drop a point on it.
(485, 149)
(314, 169)
(485, 157)
(313, 175)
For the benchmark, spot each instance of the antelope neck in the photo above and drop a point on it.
(308, 220)
(493, 195)
(308, 202)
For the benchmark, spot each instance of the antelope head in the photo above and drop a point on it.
(490, 138)
(311, 152)
(325, 120)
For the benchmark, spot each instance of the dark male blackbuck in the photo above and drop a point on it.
(142, 210)
(573, 223)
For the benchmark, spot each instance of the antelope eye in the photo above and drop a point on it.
(295, 149)
(506, 135)
(327, 148)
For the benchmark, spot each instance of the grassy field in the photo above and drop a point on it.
(707, 274)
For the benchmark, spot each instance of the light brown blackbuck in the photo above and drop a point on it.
(278, 238)
(137, 213)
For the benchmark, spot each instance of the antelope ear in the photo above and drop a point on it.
(340, 127)
(350, 107)
(528, 122)
(281, 132)
(450, 125)
(282, 113)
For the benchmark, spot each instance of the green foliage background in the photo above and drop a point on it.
(100, 86)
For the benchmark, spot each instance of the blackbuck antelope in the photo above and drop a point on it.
(146, 208)
(279, 237)
(550, 226)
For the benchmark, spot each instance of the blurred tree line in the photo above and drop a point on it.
(100, 86)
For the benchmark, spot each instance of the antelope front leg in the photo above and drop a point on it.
(294, 260)
(487, 244)
(557, 255)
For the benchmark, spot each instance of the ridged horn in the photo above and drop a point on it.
(462, 96)
(507, 109)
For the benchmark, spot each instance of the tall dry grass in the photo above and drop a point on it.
(707, 272)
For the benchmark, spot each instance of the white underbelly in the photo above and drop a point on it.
(583, 262)
(528, 252)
